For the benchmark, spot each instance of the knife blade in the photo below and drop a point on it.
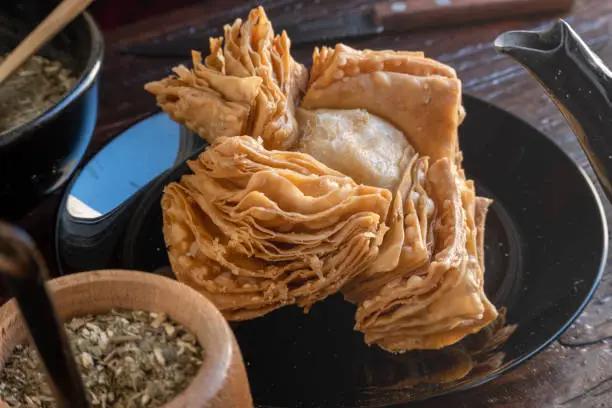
(394, 16)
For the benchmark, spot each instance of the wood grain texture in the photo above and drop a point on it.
(414, 14)
(574, 372)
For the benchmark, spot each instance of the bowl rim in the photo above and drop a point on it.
(85, 81)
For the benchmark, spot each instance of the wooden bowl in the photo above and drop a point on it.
(221, 382)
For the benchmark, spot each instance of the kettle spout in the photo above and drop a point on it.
(523, 45)
(577, 81)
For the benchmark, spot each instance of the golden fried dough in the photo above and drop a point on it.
(193, 97)
(443, 301)
(254, 229)
(249, 84)
(408, 244)
(357, 188)
(421, 97)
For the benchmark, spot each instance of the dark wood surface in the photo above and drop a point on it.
(575, 371)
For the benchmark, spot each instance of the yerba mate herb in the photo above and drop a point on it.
(34, 88)
(126, 358)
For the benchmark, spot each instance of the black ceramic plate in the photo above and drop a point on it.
(546, 246)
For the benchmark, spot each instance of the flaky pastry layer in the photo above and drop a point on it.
(249, 84)
(254, 229)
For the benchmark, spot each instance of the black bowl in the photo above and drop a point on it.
(39, 156)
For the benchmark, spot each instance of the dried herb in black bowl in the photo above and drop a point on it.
(36, 86)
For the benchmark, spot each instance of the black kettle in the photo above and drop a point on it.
(577, 81)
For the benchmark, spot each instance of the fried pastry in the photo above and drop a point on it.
(254, 229)
(372, 151)
(443, 301)
(420, 96)
(193, 97)
(249, 84)
(359, 190)
(409, 242)
(425, 290)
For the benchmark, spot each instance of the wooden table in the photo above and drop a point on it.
(575, 371)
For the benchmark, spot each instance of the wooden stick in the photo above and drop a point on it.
(63, 14)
